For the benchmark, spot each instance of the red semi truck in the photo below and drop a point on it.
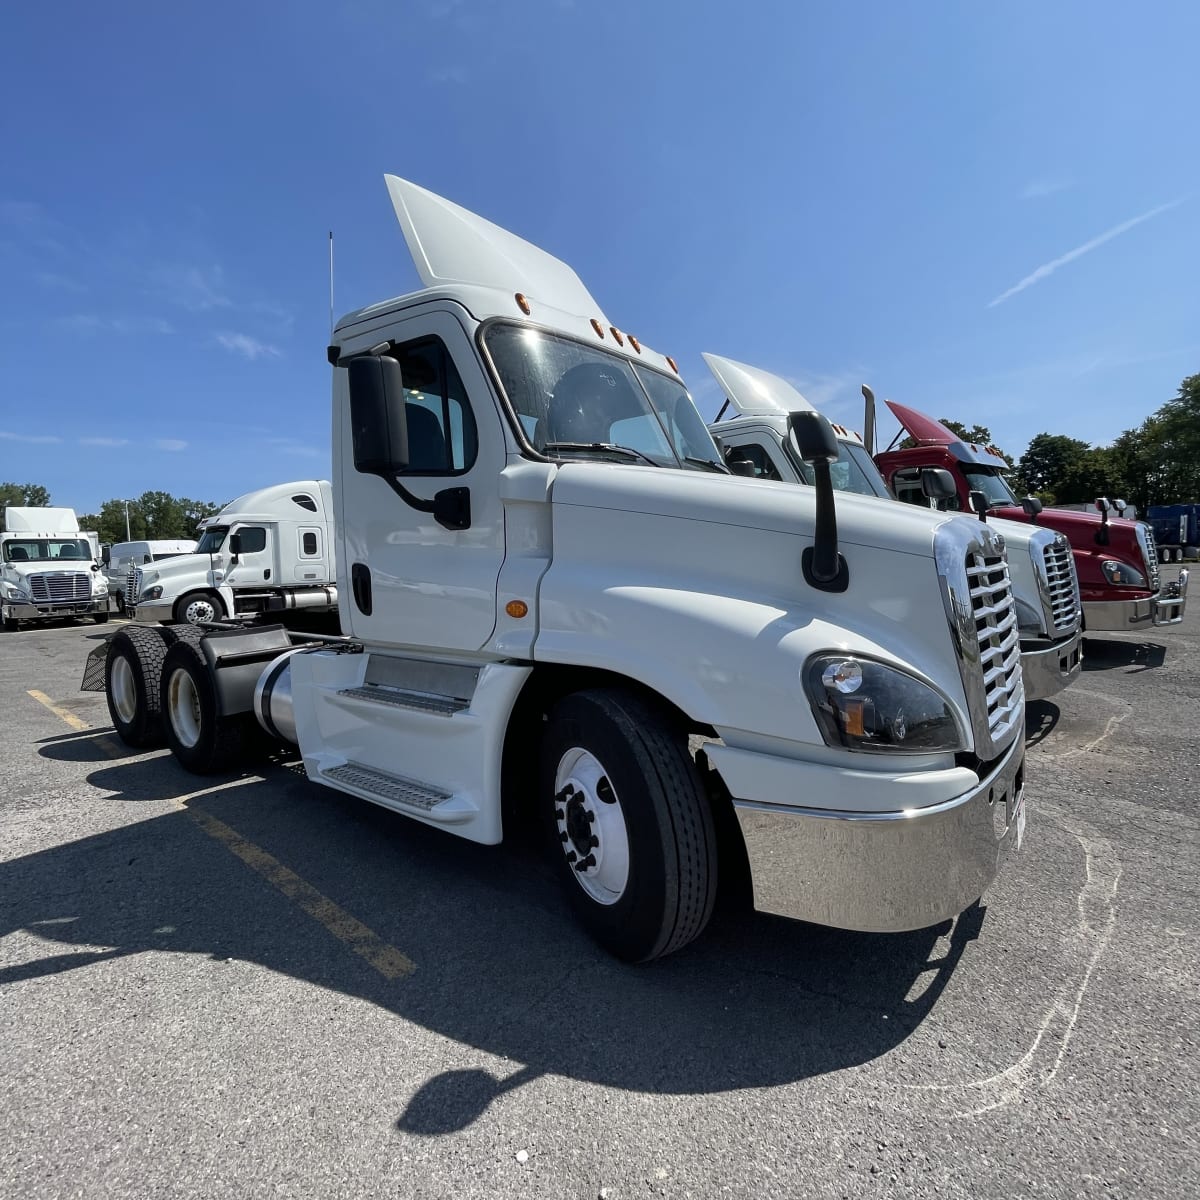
(1115, 559)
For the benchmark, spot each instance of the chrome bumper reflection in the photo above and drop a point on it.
(151, 612)
(884, 872)
(1050, 669)
(1167, 608)
(27, 610)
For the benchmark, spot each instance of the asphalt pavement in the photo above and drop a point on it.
(252, 986)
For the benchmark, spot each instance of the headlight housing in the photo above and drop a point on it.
(1121, 573)
(152, 593)
(865, 705)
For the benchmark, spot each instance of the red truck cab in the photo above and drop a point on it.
(1115, 558)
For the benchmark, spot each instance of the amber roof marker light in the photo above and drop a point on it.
(522, 303)
(671, 364)
(598, 328)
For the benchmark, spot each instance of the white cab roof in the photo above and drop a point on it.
(753, 391)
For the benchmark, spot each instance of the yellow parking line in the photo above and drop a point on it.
(387, 960)
(366, 943)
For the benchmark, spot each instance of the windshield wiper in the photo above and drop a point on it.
(711, 463)
(610, 447)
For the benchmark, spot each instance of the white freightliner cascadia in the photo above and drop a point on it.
(1040, 561)
(49, 568)
(267, 551)
(548, 581)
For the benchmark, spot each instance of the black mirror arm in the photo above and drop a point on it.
(824, 567)
(450, 508)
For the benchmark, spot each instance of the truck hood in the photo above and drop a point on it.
(185, 565)
(749, 503)
(37, 568)
(1080, 527)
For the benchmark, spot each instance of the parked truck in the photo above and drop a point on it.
(269, 551)
(1044, 584)
(121, 560)
(1176, 530)
(49, 568)
(552, 592)
(1115, 559)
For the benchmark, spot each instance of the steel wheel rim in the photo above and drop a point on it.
(122, 689)
(200, 610)
(591, 826)
(183, 706)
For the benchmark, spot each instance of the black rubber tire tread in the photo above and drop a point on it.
(182, 633)
(223, 741)
(182, 603)
(100, 618)
(144, 647)
(673, 843)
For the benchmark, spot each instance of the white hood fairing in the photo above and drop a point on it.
(712, 563)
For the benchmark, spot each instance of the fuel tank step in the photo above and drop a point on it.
(393, 791)
(372, 693)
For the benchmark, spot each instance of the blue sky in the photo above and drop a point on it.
(989, 212)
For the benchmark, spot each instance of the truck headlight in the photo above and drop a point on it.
(1121, 573)
(861, 704)
(152, 593)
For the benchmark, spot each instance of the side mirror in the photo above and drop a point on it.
(378, 417)
(823, 566)
(938, 484)
(1104, 506)
(741, 466)
(1032, 506)
(1118, 507)
(979, 504)
(106, 556)
(235, 546)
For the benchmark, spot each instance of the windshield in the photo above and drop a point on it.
(72, 550)
(854, 471)
(572, 399)
(212, 539)
(991, 483)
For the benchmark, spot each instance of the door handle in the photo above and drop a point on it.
(360, 585)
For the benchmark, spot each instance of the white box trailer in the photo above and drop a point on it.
(549, 586)
(49, 568)
(271, 550)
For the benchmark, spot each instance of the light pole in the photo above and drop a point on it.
(128, 538)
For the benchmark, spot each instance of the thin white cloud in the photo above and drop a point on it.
(247, 346)
(22, 213)
(1048, 269)
(62, 283)
(1038, 189)
(131, 326)
(35, 439)
(198, 289)
(297, 449)
(103, 441)
(170, 444)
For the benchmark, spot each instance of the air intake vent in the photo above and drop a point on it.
(1062, 585)
(999, 638)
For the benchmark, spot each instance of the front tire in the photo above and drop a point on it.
(204, 741)
(100, 617)
(629, 823)
(131, 685)
(197, 608)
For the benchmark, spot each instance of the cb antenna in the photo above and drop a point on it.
(331, 285)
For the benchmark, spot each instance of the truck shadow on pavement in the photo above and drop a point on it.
(1101, 655)
(499, 964)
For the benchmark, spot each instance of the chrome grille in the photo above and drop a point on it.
(133, 585)
(999, 638)
(56, 587)
(1145, 537)
(1062, 584)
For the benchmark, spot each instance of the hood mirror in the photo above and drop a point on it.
(1103, 505)
(824, 568)
(979, 504)
(1032, 506)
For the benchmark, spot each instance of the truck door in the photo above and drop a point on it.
(405, 579)
(254, 559)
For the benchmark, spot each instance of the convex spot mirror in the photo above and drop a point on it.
(378, 417)
(1032, 506)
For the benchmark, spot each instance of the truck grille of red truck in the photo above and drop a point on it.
(1062, 585)
(1149, 550)
(56, 587)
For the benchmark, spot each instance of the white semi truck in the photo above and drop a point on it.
(1040, 561)
(552, 591)
(269, 551)
(49, 568)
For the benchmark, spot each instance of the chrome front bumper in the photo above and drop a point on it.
(1047, 670)
(151, 612)
(1100, 616)
(890, 871)
(33, 610)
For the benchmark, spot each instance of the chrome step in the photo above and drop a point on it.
(395, 792)
(445, 706)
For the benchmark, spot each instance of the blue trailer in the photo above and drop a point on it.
(1176, 530)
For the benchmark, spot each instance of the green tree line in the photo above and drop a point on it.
(152, 515)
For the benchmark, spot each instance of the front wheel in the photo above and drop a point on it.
(630, 826)
(100, 617)
(201, 738)
(198, 608)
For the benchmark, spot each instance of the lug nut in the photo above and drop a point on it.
(572, 856)
(584, 863)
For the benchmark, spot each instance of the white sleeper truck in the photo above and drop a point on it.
(1040, 561)
(267, 551)
(551, 591)
(49, 568)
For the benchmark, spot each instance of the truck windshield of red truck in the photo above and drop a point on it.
(991, 483)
